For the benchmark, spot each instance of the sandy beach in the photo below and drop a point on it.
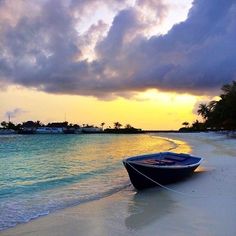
(206, 204)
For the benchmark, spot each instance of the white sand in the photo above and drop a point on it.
(208, 208)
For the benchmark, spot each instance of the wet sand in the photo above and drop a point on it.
(205, 206)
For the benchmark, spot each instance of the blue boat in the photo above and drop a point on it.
(151, 170)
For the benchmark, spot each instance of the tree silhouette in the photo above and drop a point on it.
(221, 114)
(117, 125)
(128, 126)
(38, 123)
(186, 124)
(203, 110)
(102, 124)
(4, 124)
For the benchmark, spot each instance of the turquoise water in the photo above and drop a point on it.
(43, 173)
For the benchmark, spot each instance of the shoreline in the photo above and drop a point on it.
(210, 211)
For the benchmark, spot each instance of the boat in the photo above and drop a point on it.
(162, 168)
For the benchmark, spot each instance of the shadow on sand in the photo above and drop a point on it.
(148, 206)
(152, 204)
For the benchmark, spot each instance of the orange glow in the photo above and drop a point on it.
(146, 110)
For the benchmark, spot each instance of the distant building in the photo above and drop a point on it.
(91, 129)
(28, 127)
(49, 130)
(52, 128)
(7, 131)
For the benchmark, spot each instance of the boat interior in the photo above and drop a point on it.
(167, 159)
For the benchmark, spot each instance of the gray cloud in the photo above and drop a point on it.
(44, 49)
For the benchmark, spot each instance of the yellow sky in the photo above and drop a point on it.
(147, 110)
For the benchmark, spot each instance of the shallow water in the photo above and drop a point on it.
(43, 173)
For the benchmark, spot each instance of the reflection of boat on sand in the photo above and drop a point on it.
(147, 207)
(161, 168)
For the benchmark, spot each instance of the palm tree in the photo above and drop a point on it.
(212, 105)
(102, 124)
(228, 89)
(221, 114)
(117, 125)
(186, 124)
(4, 124)
(38, 123)
(128, 126)
(203, 110)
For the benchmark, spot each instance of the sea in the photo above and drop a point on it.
(40, 174)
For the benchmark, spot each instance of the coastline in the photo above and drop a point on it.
(207, 206)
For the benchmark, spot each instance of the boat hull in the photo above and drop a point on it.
(142, 176)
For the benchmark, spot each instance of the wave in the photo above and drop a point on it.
(51, 183)
(37, 179)
(17, 212)
(168, 144)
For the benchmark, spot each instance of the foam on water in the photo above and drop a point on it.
(43, 173)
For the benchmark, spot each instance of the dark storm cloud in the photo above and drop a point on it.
(43, 50)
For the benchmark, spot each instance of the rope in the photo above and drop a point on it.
(164, 187)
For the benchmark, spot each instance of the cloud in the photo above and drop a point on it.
(41, 47)
(14, 113)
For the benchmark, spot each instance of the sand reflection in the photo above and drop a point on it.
(147, 207)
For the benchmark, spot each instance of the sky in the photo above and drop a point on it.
(148, 63)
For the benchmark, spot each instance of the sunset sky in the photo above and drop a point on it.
(148, 63)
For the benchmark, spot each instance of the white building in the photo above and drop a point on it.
(7, 131)
(49, 130)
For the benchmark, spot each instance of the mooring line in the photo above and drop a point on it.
(164, 187)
